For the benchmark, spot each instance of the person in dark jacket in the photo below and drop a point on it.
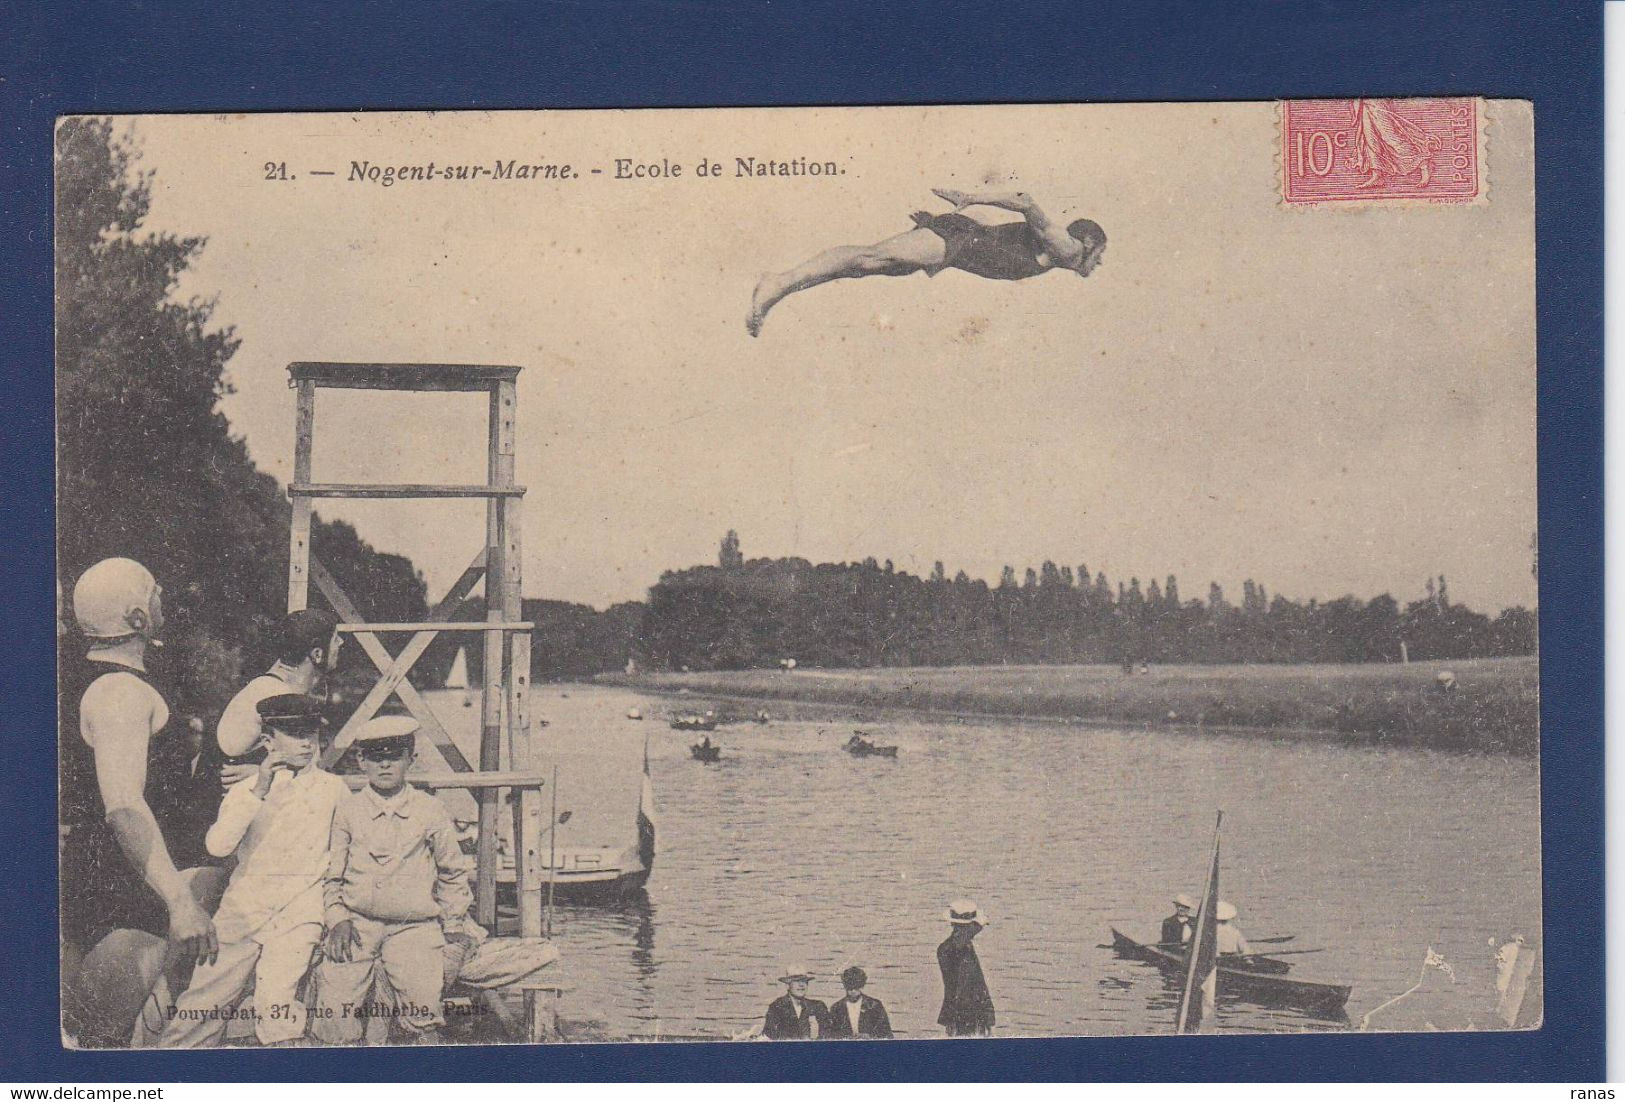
(967, 1006)
(857, 1015)
(793, 1016)
(1178, 927)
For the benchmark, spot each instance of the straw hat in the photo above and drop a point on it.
(963, 912)
(797, 971)
(1225, 911)
(1183, 900)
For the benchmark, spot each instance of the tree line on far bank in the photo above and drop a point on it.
(741, 614)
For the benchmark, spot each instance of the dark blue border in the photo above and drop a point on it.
(351, 54)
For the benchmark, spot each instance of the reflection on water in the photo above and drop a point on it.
(790, 849)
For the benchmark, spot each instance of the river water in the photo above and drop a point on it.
(791, 851)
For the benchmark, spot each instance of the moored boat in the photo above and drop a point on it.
(706, 752)
(1256, 981)
(591, 874)
(693, 721)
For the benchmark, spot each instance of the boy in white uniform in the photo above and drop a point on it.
(278, 824)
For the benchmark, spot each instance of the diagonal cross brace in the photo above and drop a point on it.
(393, 669)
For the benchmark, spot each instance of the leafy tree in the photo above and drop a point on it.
(147, 466)
(730, 557)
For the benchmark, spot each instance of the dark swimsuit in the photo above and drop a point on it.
(100, 890)
(1009, 250)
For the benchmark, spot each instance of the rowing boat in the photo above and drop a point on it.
(869, 750)
(859, 746)
(1249, 981)
(705, 753)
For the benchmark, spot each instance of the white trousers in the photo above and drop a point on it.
(273, 970)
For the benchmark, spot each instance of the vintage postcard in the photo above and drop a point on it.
(797, 574)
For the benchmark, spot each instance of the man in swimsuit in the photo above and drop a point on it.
(1009, 250)
(307, 651)
(119, 883)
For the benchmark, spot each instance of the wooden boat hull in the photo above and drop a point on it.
(693, 723)
(597, 887)
(1264, 988)
(706, 753)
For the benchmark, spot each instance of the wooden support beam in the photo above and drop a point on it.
(401, 376)
(304, 438)
(493, 703)
(542, 998)
(502, 778)
(527, 807)
(433, 625)
(386, 663)
(302, 489)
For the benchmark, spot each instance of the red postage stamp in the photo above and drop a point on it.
(1373, 150)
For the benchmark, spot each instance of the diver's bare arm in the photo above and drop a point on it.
(118, 718)
(1062, 245)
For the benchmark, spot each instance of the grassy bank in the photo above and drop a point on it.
(1495, 706)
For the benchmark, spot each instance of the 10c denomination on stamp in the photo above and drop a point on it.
(1382, 150)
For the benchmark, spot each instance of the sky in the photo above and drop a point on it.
(1328, 401)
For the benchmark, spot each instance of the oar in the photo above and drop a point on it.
(1286, 952)
(1250, 941)
(1255, 941)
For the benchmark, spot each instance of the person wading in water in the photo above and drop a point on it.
(967, 1006)
(1007, 250)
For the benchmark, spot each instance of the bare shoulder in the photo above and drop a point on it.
(121, 689)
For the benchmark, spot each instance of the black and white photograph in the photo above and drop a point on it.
(797, 574)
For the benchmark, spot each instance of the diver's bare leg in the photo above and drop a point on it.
(913, 251)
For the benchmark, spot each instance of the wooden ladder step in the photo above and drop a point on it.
(484, 779)
(399, 490)
(402, 376)
(438, 625)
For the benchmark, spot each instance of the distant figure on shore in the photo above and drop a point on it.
(1007, 250)
(967, 1006)
(858, 1015)
(793, 1016)
(1178, 927)
(1229, 935)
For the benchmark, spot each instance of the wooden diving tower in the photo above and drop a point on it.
(505, 760)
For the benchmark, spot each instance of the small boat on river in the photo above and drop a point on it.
(706, 752)
(1255, 979)
(693, 721)
(589, 874)
(860, 747)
